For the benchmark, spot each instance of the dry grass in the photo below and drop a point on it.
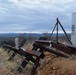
(50, 65)
(12, 65)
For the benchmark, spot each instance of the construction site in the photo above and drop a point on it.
(44, 56)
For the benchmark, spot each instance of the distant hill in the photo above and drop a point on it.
(28, 34)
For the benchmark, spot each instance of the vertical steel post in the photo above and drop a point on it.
(57, 32)
(64, 31)
(33, 72)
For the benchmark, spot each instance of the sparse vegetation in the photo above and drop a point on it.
(50, 65)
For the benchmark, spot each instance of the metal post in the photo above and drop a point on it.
(33, 72)
(52, 31)
(64, 31)
(57, 31)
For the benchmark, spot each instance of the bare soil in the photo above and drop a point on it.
(50, 65)
(58, 66)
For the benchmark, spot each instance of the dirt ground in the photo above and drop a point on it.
(58, 66)
(50, 65)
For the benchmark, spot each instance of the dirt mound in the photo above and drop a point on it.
(50, 65)
(58, 66)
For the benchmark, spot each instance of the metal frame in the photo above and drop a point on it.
(28, 54)
(56, 26)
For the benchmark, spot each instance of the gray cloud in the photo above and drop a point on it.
(35, 15)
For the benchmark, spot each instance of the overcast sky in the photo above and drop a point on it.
(35, 15)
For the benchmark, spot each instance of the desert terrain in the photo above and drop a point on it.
(50, 65)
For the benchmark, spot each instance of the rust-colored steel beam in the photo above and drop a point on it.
(35, 53)
(34, 69)
(28, 54)
(73, 48)
(46, 48)
(22, 43)
(22, 52)
(61, 47)
(44, 42)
